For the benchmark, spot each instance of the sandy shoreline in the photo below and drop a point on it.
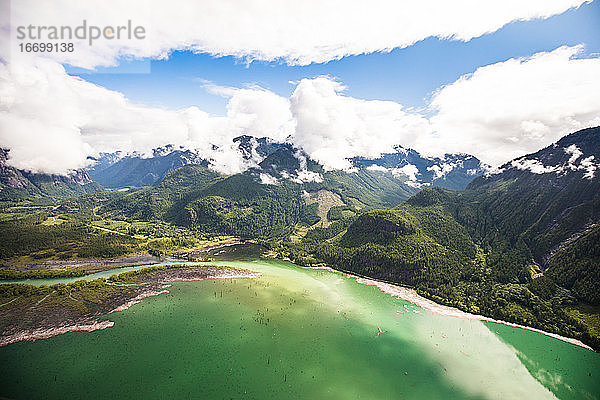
(45, 333)
(205, 250)
(138, 299)
(323, 268)
(157, 285)
(412, 296)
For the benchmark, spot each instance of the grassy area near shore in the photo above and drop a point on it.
(27, 308)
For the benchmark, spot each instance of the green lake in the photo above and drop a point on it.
(299, 334)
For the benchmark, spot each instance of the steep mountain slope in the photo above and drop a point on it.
(200, 198)
(270, 200)
(154, 203)
(251, 147)
(362, 188)
(117, 170)
(18, 185)
(283, 192)
(577, 266)
(113, 172)
(538, 204)
(547, 197)
(453, 171)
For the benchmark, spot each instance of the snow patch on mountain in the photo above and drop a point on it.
(303, 176)
(267, 179)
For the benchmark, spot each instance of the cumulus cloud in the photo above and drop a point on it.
(504, 110)
(498, 113)
(332, 127)
(299, 33)
(52, 122)
(257, 110)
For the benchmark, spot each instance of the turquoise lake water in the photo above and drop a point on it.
(294, 333)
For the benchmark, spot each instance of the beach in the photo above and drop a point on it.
(412, 296)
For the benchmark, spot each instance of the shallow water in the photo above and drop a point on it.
(235, 252)
(294, 333)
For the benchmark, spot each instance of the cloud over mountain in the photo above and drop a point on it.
(507, 109)
(332, 127)
(52, 121)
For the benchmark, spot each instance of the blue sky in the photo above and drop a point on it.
(408, 76)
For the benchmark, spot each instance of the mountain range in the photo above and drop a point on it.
(118, 170)
(518, 242)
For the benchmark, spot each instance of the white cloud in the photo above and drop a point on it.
(52, 122)
(408, 173)
(303, 176)
(298, 32)
(535, 166)
(575, 153)
(378, 168)
(409, 170)
(498, 113)
(504, 110)
(332, 127)
(257, 110)
(439, 171)
(267, 179)
(590, 168)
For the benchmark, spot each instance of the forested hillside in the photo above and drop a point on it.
(520, 245)
(114, 172)
(243, 205)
